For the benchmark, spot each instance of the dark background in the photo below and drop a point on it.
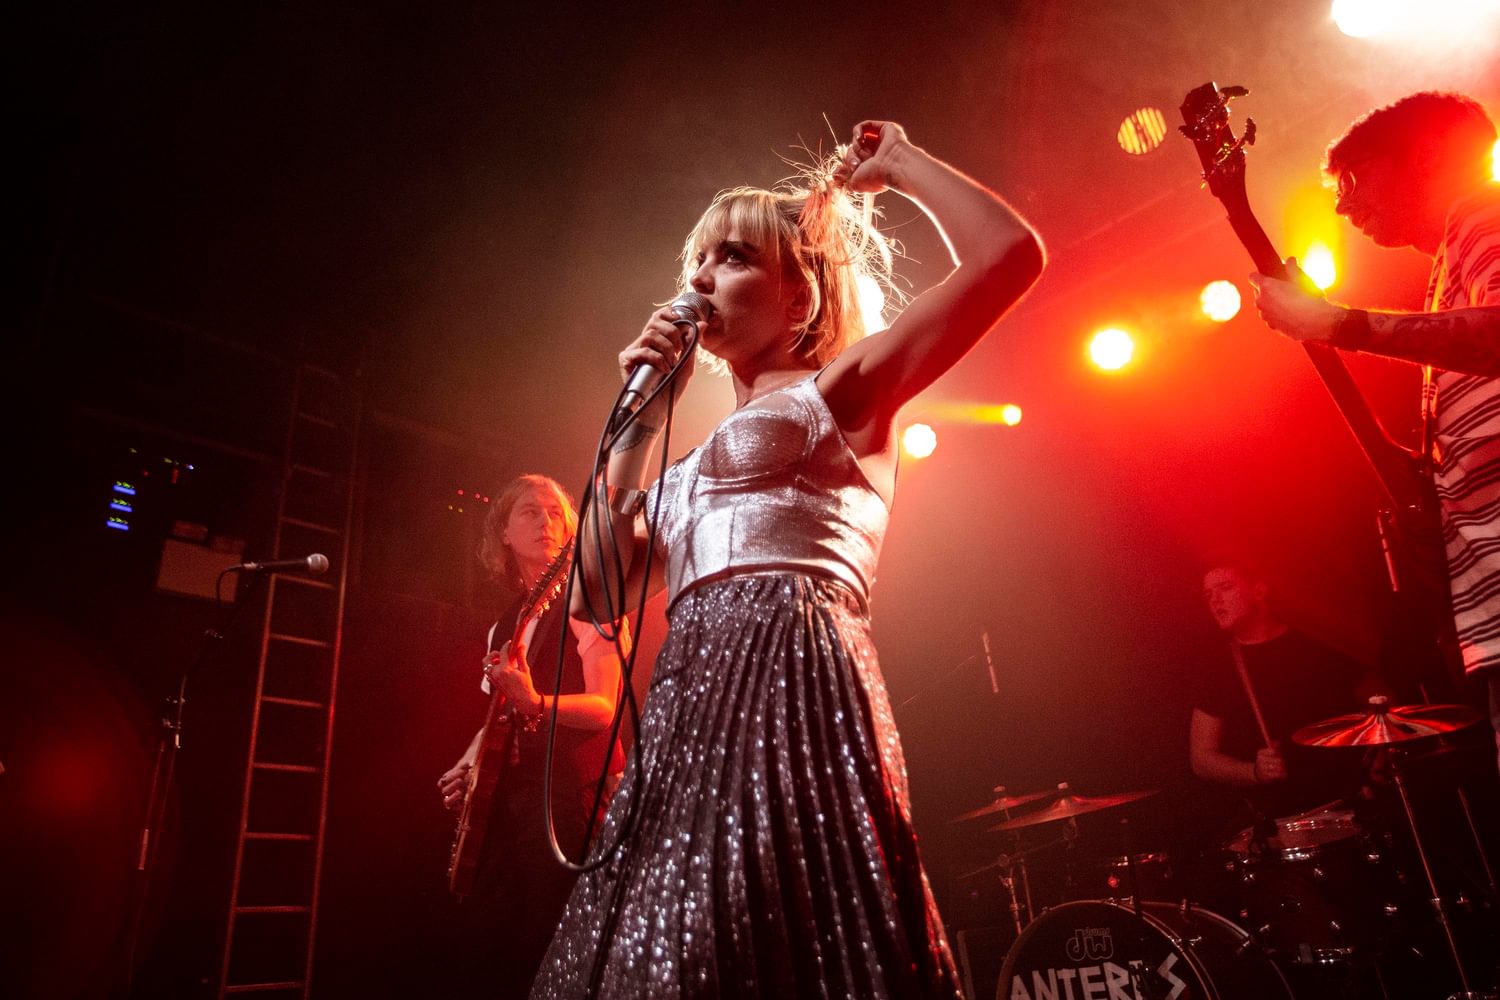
(467, 211)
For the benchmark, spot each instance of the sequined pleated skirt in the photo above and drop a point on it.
(771, 853)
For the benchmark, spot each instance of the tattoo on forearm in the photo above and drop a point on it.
(634, 436)
(1458, 340)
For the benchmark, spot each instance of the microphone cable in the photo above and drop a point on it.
(611, 565)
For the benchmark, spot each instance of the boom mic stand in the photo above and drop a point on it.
(164, 770)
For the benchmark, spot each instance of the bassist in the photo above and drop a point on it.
(1419, 173)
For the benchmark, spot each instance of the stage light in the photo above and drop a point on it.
(871, 303)
(1220, 301)
(1317, 264)
(1112, 349)
(1142, 131)
(1363, 18)
(919, 440)
(1010, 414)
(1495, 161)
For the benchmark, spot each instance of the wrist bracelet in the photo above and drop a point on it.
(1352, 332)
(623, 501)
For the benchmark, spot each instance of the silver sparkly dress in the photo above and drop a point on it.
(772, 853)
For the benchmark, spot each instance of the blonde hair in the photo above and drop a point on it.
(809, 227)
(494, 554)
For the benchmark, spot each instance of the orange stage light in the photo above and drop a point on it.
(919, 440)
(1111, 349)
(1495, 161)
(1142, 131)
(1317, 263)
(1220, 301)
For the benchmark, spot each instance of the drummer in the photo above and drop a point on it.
(1290, 680)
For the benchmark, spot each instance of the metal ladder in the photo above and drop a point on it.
(273, 901)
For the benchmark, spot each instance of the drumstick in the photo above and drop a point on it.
(1239, 665)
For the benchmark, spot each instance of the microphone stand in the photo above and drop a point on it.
(162, 774)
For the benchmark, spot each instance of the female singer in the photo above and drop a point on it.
(771, 852)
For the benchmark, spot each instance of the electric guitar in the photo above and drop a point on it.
(498, 747)
(1411, 533)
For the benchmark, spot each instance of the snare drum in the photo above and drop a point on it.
(1100, 948)
(1312, 893)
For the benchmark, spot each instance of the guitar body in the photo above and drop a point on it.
(1410, 527)
(498, 749)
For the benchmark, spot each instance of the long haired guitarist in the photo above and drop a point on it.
(1419, 173)
(513, 889)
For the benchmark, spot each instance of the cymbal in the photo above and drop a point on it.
(1386, 725)
(1068, 806)
(1004, 803)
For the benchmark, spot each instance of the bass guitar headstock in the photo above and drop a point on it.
(1205, 121)
(1205, 117)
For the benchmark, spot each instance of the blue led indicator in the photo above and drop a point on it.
(125, 488)
(122, 507)
(117, 524)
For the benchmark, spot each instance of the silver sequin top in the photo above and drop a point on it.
(774, 488)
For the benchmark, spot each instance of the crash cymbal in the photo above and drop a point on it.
(1004, 803)
(1068, 806)
(1384, 725)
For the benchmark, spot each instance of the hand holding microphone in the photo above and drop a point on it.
(667, 334)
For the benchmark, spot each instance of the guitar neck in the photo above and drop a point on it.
(1391, 464)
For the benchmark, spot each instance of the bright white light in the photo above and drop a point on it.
(871, 303)
(1454, 32)
(1010, 414)
(919, 440)
(1364, 18)
(1318, 265)
(1220, 301)
(1112, 349)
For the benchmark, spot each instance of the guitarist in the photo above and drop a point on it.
(520, 889)
(1418, 173)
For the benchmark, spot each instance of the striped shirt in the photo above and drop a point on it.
(1466, 432)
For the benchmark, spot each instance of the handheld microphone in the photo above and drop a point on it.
(313, 565)
(690, 307)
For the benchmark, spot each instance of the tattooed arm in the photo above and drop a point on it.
(612, 525)
(1456, 340)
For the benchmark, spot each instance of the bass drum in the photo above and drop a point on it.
(1101, 949)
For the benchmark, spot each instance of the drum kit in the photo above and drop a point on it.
(1311, 905)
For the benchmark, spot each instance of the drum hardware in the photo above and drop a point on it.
(1015, 879)
(1384, 725)
(1003, 804)
(1307, 892)
(1069, 806)
(1388, 726)
(1015, 872)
